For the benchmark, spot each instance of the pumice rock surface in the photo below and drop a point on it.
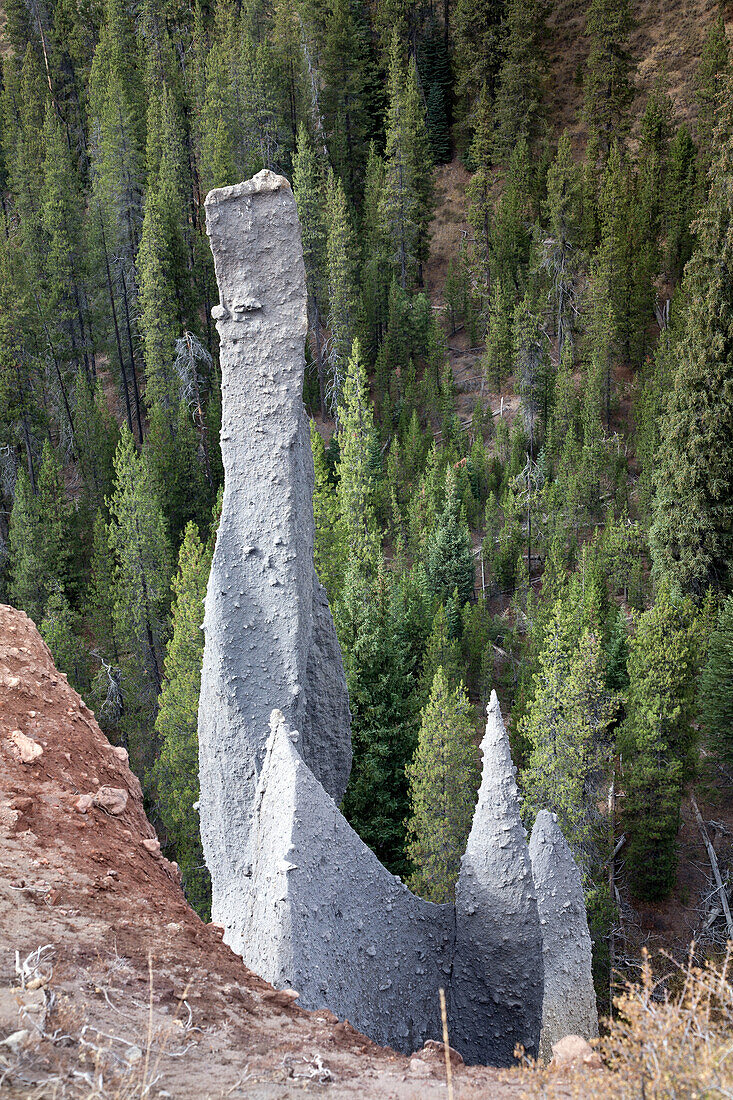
(269, 635)
(569, 1002)
(497, 979)
(300, 896)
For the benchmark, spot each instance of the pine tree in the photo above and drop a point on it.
(692, 534)
(138, 539)
(346, 71)
(680, 204)
(711, 81)
(408, 194)
(532, 370)
(497, 358)
(342, 287)
(59, 629)
(39, 539)
(479, 190)
(566, 727)
(561, 247)
(379, 674)
(176, 770)
(443, 780)
(356, 430)
(308, 187)
(716, 687)
(607, 87)
(449, 558)
(518, 107)
(442, 650)
(477, 33)
(657, 740)
(329, 551)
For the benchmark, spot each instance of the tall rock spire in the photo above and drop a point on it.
(569, 1003)
(497, 971)
(270, 640)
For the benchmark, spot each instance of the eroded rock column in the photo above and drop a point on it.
(497, 972)
(569, 1003)
(270, 640)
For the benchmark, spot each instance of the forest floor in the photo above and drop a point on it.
(110, 986)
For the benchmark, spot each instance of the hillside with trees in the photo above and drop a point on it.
(518, 239)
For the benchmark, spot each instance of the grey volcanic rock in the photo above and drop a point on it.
(301, 897)
(329, 920)
(497, 971)
(267, 621)
(569, 1005)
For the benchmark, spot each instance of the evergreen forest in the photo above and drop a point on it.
(521, 413)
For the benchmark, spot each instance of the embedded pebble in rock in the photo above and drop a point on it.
(113, 800)
(569, 1004)
(270, 639)
(28, 749)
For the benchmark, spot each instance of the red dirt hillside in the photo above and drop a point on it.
(110, 985)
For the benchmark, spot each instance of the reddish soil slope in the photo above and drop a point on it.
(110, 985)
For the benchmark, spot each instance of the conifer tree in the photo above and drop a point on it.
(329, 550)
(477, 34)
(716, 687)
(379, 666)
(139, 541)
(566, 727)
(407, 199)
(560, 250)
(342, 287)
(692, 533)
(59, 629)
(176, 725)
(479, 190)
(711, 80)
(607, 87)
(375, 267)
(39, 539)
(497, 358)
(448, 557)
(356, 430)
(442, 650)
(308, 187)
(443, 780)
(518, 106)
(679, 201)
(657, 740)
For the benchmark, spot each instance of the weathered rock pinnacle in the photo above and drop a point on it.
(267, 620)
(329, 920)
(497, 972)
(301, 897)
(569, 1003)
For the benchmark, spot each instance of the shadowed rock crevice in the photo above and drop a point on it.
(303, 900)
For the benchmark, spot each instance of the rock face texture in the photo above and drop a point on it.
(301, 897)
(497, 973)
(270, 637)
(329, 920)
(569, 1002)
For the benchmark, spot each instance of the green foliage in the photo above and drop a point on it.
(379, 665)
(566, 728)
(138, 539)
(692, 533)
(449, 558)
(60, 631)
(176, 770)
(354, 473)
(39, 539)
(443, 780)
(716, 687)
(607, 87)
(657, 740)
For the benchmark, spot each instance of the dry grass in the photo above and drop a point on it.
(672, 1039)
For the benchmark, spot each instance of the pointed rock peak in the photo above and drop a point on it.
(498, 792)
(569, 1005)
